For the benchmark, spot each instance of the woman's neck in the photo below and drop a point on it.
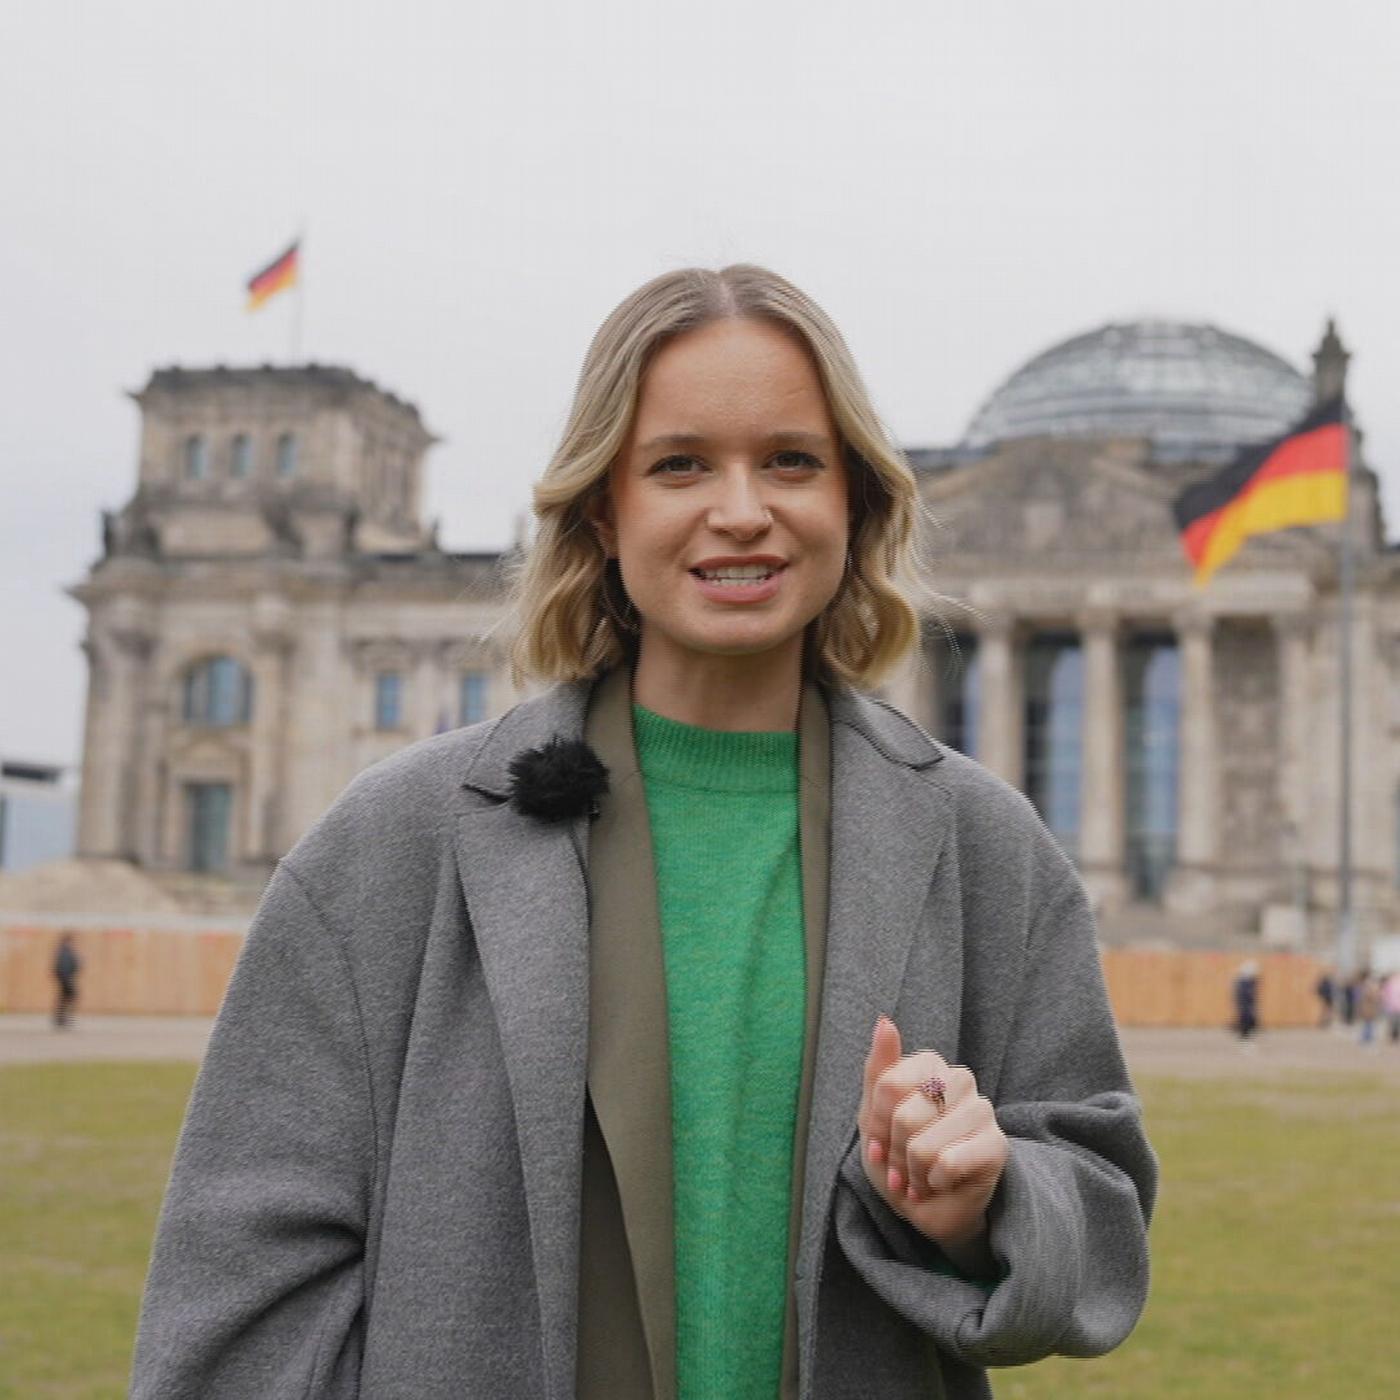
(734, 693)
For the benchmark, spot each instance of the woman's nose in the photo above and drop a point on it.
(739, 510)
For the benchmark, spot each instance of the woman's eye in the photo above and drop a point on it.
(676, 466)
(796, 461)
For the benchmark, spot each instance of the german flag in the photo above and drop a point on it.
(1299, 479)
(280, 273)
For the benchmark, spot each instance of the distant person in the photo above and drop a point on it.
(1390, 1005)
(1325, 989)
(1350, 989)
(66, 966)
(1368, 1006)
(1246, 993)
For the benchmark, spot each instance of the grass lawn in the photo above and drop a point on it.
(1276, 1243)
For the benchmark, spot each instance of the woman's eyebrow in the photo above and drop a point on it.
(785, 438)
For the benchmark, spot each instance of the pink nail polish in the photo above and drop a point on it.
(893, 1180)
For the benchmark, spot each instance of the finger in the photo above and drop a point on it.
(885, 1050)
(976, 1159)
(915, 1112)
(938, 1157)
(910, 1109)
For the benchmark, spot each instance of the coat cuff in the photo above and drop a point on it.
(1039, 1238)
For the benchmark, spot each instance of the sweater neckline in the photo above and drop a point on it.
(714, 760)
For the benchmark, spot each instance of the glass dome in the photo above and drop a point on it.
(1195, 391)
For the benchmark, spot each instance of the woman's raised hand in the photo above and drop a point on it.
(934, 1165)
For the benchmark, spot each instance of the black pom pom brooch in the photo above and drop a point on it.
(557, 781)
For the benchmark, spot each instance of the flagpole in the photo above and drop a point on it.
(1346, 918)
(300, 308)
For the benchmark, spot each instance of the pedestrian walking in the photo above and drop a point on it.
(1390, 1005)
(66, 966)
(1368, 1006)
(1325, 989)
(1246, 997)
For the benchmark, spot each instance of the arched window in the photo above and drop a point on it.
(241, 460)
(286, 454)
(196, 458)
(1054, 733)
(218, 692)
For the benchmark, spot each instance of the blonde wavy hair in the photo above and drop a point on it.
(574, 620)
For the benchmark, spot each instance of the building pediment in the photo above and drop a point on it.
(1081, 504)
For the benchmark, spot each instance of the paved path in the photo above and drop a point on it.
(32, 1039)
(1186, 1053)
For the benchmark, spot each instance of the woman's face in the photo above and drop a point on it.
(727, 509)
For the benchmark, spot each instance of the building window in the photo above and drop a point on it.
(218, 692)
(1054, 733)
(472, 697)
(196, 459)
(1152, 725)
(1397, 838)
(208, 807)
(961, 692)
(241, 461)
(287, 454)
(388, 700)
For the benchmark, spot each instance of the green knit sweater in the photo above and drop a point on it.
(724, 826)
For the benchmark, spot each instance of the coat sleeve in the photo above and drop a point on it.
(256, 1280)
(1068, 1222)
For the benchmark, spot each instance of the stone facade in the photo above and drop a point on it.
(299, 565)
(309, 570)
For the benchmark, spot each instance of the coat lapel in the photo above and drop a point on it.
(887, 832)
(629, 1047)
(523, 880)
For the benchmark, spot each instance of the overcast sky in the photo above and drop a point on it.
(960, 185)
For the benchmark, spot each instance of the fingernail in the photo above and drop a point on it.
(876, 1151)
(894, 1181)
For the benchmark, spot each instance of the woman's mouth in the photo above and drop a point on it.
(737, 575)
(740, 583)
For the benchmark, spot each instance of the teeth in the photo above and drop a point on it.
(737, 573)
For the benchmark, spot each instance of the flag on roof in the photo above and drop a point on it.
(279, 274)
(1298, 479)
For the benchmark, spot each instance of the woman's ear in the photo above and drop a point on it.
(598, 513)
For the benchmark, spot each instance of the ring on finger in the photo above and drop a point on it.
(935, 1090)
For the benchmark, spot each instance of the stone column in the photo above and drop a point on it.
(1103, 784)
(1293, 635)
(911, 688)
(273, 641)
(153, 705)
(999, 722)
(1286, 922)
(425, 690)
(1191, 888)
(118, 655)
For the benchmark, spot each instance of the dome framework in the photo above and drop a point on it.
(1195, 391)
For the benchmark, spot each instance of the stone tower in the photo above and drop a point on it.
(269, 615)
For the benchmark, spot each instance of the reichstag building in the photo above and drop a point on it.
(271, 614)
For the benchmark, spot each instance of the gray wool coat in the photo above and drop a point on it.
(377, 1189)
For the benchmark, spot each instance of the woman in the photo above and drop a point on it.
(567, 1053)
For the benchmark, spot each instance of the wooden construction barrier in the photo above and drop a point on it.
(125, 969)
(183, 970)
